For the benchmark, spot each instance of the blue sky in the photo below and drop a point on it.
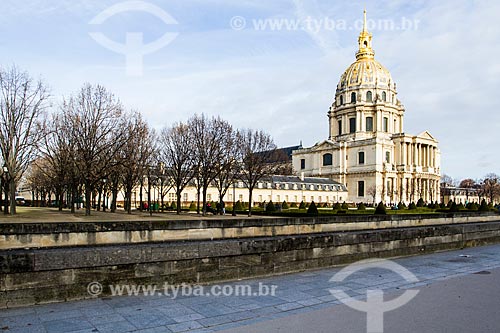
(282, 81)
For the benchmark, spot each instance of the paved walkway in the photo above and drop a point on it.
(295, 294)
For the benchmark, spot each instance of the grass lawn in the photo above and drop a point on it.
(49, 214)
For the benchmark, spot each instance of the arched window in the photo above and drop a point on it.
(327, 159)
(341, 99)
(353, 97)
(384, 96)
(369, 96)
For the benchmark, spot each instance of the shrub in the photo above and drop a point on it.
(454, 207)
(341, 212)
(325, 205)
(449, 204)
(238, 206)
(173, 206)
(284, 205)
(460, 206)
(420, 202)
(337, 206)
(412, 206)
(472, 206)
(293, 205)
(312, 210)
(192, 206)
(361, 206)
(380, 210)
(442, 205)
(302, 205)
(401, 205)
(484, 206)
(344, 206)
(270, 207)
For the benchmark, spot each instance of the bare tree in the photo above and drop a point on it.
(176, 153)
(491, 186)
(94, 115)
(257, 149)
(22, 104)
(229, 166)
(373, 191)
(135, 154)
(209, 136)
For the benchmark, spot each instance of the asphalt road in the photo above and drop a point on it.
(469, 303)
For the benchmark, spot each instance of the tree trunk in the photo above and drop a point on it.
(141, 204)
(73, 195)
(128, 198)
(88, 200)
(250, 190)
(114, 195)
(6, 202)
(12, 197)
(99, 195)
(59, 196)
(179, 202)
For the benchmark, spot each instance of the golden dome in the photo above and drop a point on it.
(365, 71)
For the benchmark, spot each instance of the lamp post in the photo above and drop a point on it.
(105, 192)
(5, 182)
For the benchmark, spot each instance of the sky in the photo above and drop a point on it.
(234, 59)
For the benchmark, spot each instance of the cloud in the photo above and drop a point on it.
(282, 81)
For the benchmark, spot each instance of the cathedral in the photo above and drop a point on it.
(367, 149)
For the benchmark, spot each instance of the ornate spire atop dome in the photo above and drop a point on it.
(365, 42)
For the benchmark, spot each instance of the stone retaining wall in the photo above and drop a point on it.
(38, 235)
(39, 275)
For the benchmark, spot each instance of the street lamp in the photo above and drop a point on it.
(105, 195)
(4, 178)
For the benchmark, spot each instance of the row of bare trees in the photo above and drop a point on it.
(90, 145)
(488, 187)
(209, 152)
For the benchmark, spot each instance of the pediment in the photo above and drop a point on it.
(426, 135)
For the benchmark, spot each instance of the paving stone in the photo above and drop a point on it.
(67, 325)
(186, 326)
(118, 327)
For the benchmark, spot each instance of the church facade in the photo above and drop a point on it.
(367, 149)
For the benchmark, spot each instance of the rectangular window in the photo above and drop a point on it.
(352, 125)
(240, 197)
(361, 157)
(260, 198)
(230, 197)
(185, 197)
(209, 197)
(302, 163)
(296, 199)
(388, 157)
(385, 125)
(369, 124)
(278, 198)
(340, 127)
(361, 188)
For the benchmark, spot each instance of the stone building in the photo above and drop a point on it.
(367, 148)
